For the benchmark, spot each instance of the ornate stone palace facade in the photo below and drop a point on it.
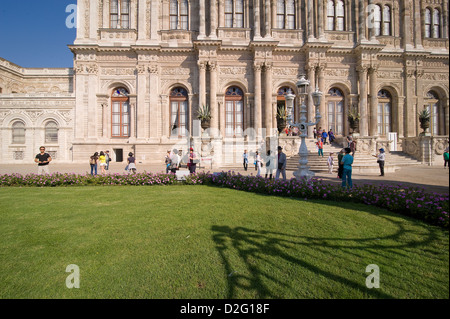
(143, 67)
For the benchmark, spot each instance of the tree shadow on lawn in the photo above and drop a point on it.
(261, 246)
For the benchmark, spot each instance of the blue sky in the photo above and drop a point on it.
(34, 33)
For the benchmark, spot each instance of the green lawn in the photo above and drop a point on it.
(206, 242)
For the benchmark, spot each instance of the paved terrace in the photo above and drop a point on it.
(431, 178)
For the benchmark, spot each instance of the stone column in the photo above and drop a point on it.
(267, 18)
(165, 115)
(153, 111)
(309, 19)
(268, 98)
(363, 122)
(417, 25)
(81, 21)
(257, 19)
(213, 19)
(257, 89)
(321, 21)
(445, 23)
(132, 116)
(311, 69)
(142, 120)
(154, 20)
(202, 83)
(400, 120)
(407, 36)
(202, 20)
(322, 107)
(274, 15)
(373, 102)
(213, 98)
(362, 21)
(142, 10)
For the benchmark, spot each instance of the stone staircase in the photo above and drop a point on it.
(362, 163)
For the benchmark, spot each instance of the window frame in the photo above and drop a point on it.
(123, 14)
(121, 100)
(384, 97)
(15, 136)
(333, 18)
(335, 99)
(286, 17)
(234, 98)
(233, 15)
(46, 132)
(179, 95)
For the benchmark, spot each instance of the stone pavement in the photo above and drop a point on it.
(431, 178)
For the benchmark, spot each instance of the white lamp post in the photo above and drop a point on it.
(303, 169)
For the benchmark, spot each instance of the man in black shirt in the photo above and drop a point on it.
(43, 159)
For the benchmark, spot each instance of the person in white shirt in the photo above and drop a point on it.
(330, 163)
(380, 160)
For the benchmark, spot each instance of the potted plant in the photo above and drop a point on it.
(281, 118)
(204, 115)
(353, 118)
(424, 119)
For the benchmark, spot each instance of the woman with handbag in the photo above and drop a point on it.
(380, 160)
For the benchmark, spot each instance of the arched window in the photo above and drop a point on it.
(281, 101)
(427, 23)
(336, 111)
(120, 113)
(179, 112)
(384, 112)
(234, 112)
(18, 133)
(119, 12)
(234, 13)
(286, 14)
(179, 15)
(436, 23)
(386, 20)
(51, 132)
(432, 106)
(377, 18)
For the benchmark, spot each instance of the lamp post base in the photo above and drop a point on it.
(303, 173)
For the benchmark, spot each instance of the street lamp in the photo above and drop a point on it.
(303, 169)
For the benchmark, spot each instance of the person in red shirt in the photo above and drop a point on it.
(320, 146)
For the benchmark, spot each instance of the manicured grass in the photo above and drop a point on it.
(207, 242)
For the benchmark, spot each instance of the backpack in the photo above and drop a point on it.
(92, 160)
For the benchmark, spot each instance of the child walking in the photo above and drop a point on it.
(320, 146)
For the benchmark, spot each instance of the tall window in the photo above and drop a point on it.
(432, 105)
(18, 133)
(234, 13)
(336, 111)
(286, 14)
(234, 112)
(427, 23)
(120, 113)
(179, 112)
(436, 23)
(179, 14)
(384, 112)
(51, 132)
(335, 15)
(386, 20)
(377, 20)
(120, 14)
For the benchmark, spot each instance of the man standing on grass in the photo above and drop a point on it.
(347, 162)
(281, 168)
(43, 159)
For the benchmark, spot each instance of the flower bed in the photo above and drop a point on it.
(430, 207)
